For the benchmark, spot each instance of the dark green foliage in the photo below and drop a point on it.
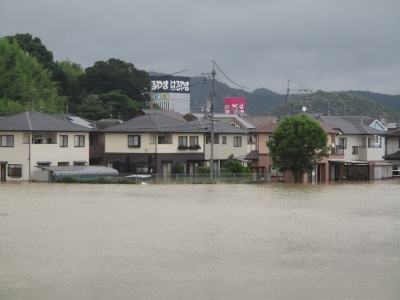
(180, 168)
(297, 144)
(203, 170)
(235, 166)
(112, 75)
(34, 47)
(67, 179)
(339, 104)
(122, 107)
(24, 83)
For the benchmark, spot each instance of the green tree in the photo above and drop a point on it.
(23, 80)
(92, 108)
(119, 105)
(297, 144)
(235, 166)
(34, 47)
(115, 74)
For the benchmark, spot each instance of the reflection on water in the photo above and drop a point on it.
(328, 241)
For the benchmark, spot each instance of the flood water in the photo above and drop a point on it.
(272, 241)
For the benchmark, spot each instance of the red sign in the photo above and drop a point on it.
(235, 106)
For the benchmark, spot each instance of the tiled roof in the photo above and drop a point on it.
(252, 155)
(37, 121)
(352, 125)
(163, 123)
(170, 113)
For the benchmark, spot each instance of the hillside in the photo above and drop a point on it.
(387, 100)
(381, 106)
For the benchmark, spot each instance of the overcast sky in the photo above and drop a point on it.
(321, 45)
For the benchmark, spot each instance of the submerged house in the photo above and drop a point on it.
(39, 147)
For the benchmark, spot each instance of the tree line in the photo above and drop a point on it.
(30, 79)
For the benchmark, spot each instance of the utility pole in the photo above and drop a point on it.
(213, 79)
(111, 103)
(287, 99)
(329, 110)
(213, 73)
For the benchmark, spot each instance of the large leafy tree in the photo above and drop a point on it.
(34, 47)
(25, 83)
(297, 144)
(115, 74)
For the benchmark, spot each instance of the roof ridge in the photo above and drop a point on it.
(29, 121)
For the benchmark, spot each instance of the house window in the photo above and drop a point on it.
(342, 143)
(182, 141)
(165, 139)
(224, 140)
(363, 142)
(216, 139)
(15, 170)
(354, 150)
(237, 141)
(63, 140)
(7, 141)
(275, 172)
(133, 140)
(79, 141)
(194, 140)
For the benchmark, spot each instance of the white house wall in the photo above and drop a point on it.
(118, 143)
(19, 154)
(222, 151)
(23, 150)
(363, 153)
(57, 154)
(393, 144)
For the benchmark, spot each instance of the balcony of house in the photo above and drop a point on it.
(370, 152)
(41, 138)
(337, 149)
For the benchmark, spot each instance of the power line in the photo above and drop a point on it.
(228, 77)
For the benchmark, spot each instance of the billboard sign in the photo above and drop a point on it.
(235, 106)
(170, 84)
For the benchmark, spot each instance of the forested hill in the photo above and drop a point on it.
(257, 102)
(391, 101)
(262, 101)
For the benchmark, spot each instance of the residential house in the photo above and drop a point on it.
(31, 140)
(156, 142)
(363, 146)
(393, 148)
(262, 164)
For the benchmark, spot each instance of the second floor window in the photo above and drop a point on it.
(63, 140)
(224, 140)
(342, 143)
(79, 141)
(7, 141)
(182, 141)
(237, 141)
(354, 150)
(194, 140)
(133, 140)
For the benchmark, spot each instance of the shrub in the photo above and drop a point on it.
(203, 170)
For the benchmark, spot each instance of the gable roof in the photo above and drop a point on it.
(37, 121)
(352, 125)
(170, 113)
(270, 127)
(162, 123)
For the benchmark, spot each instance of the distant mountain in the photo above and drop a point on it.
(387, 100)
(258, 102)
(261, 101)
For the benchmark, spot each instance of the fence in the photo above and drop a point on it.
(121, 178)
